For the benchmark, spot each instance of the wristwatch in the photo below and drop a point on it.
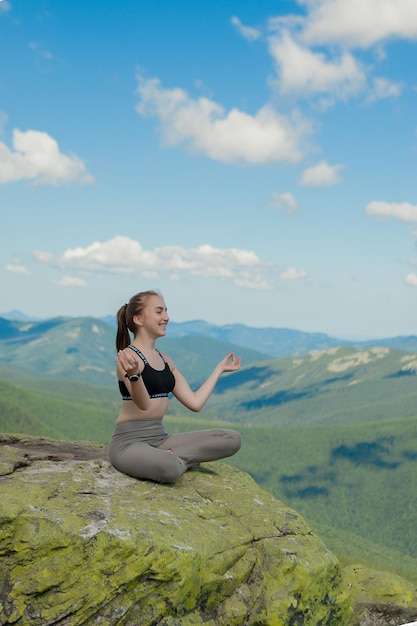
(133, 378)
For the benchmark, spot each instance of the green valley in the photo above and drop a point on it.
(332, 433)
(356, 484)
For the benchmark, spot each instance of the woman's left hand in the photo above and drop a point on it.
(230, 363)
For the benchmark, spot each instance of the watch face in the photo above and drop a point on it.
(134, 377)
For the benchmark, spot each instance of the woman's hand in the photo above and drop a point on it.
(230, 363)
(195, 400)
(128, 361)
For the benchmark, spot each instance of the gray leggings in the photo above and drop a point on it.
(140, 447)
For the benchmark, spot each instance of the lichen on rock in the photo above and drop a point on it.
(81, 543)
(380, 598)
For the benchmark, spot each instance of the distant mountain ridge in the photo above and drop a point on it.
(83, 349)
(323, 384)
(275, 342)
(18, 316)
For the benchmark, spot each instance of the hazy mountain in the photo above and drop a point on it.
(321, 386)
(17, 316)
(277, 342)
(337, 386)
(82, 349)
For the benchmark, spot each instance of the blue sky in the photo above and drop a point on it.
(256, 161)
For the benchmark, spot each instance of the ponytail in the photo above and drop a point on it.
(122, 336)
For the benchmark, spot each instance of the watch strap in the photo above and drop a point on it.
(134, 377)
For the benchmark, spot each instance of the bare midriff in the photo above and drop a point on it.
(130, 411)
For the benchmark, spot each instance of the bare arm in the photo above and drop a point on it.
(195, 400)
(130, 364)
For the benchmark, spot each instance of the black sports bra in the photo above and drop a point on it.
(159, 383)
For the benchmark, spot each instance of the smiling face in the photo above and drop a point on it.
(154, 317)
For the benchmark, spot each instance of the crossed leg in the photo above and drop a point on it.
(203, 445)
(167, 461)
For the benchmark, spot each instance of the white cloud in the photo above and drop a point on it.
(404, 211)
(44, 257)
(122, 255)
(359, 23)
(314, 52)
(411, 279)
(383, 88)
(71, 281)
(304, 72)
(252, 282)
(36, 157)
(284, 202)
(205, 128)
(293, 273)
(321, 175)
(313, 55)
(18, 269)
(248, 32)
(5, 6)
(41, 51)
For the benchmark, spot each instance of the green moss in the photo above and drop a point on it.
(377, 587)
(88, 545)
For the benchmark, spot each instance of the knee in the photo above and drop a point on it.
(166, 475)
(234, 440)
(237, 440)
(171, 471)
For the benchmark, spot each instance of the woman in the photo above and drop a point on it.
(140, 446)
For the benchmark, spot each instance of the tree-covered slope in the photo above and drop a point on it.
(83, 348)
(341, 385)
(357, 479)
(71, 411)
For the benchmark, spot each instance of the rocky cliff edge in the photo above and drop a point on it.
(82, 544)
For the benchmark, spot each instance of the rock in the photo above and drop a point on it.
(82, 544)
(380, 598)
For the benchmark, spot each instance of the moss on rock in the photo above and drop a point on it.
(380, 597)
(81, 543)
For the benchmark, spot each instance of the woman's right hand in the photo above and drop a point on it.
(129, 362)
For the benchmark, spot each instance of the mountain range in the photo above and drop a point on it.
(330, 429)
(320, 384)
(269, 341)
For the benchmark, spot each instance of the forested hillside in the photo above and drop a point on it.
(333, 433)
(356, 483)
(83, 349)
(337, 386)
(360, 479)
